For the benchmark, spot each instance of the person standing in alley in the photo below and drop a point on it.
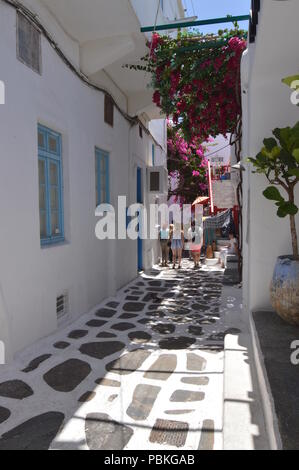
(164, 243)
(230, 249)
(177, 244)
(195, 237)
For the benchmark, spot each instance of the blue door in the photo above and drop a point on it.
(139, 201)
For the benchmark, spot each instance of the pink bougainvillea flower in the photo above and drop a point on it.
(199, 152)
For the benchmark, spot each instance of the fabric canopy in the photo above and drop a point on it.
(201, 200)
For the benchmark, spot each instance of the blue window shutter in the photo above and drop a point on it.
(153, 155)
(103, 175)
(50, 186)
(107, 166)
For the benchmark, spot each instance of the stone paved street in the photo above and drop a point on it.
(142, 371)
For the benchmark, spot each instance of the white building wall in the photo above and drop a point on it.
(219, 149)
(158, 129)
(69, 46)
(32, 277)
(266, 105)
(147, 11)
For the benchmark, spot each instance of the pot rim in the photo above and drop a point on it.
(288, 257)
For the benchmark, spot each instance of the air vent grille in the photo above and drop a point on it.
(62, 303)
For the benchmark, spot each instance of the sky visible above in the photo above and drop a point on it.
(206, 9)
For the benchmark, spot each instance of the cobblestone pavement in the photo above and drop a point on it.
(141, 371)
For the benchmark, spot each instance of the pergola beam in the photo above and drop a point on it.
(190, 24)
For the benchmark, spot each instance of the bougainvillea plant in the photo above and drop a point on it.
(198, 88)
(196, 82)
(187, 165)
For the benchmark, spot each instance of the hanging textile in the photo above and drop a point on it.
(219, 221)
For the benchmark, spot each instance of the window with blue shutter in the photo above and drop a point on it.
(102, 177)
(50, 186)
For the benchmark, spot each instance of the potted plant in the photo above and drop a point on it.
(279, 162)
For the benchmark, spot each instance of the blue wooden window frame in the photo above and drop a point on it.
(49, 158)
(153, 155)
(102, 175)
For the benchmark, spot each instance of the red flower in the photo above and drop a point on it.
(157, 98)
(156, 41)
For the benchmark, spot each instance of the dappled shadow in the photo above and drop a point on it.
(133, 353)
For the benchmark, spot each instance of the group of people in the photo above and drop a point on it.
(173, 241)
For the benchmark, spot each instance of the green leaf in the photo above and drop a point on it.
(287, 208)
(291, 208)
(286, 158)
(294, 172)
(261, 159)
(296, 154)
(270, 144)
(281, 212)
(273, 194)
(289, 80)
(283, 135)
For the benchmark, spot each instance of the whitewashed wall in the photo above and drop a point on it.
(31, 277)
(266, 105)
(147, 11)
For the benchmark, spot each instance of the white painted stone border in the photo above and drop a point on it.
(265, 390)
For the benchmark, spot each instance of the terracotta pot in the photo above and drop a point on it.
(285, 289)
(210, 254)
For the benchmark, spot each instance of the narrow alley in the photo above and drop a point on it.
(145, 370)
(149, 250)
